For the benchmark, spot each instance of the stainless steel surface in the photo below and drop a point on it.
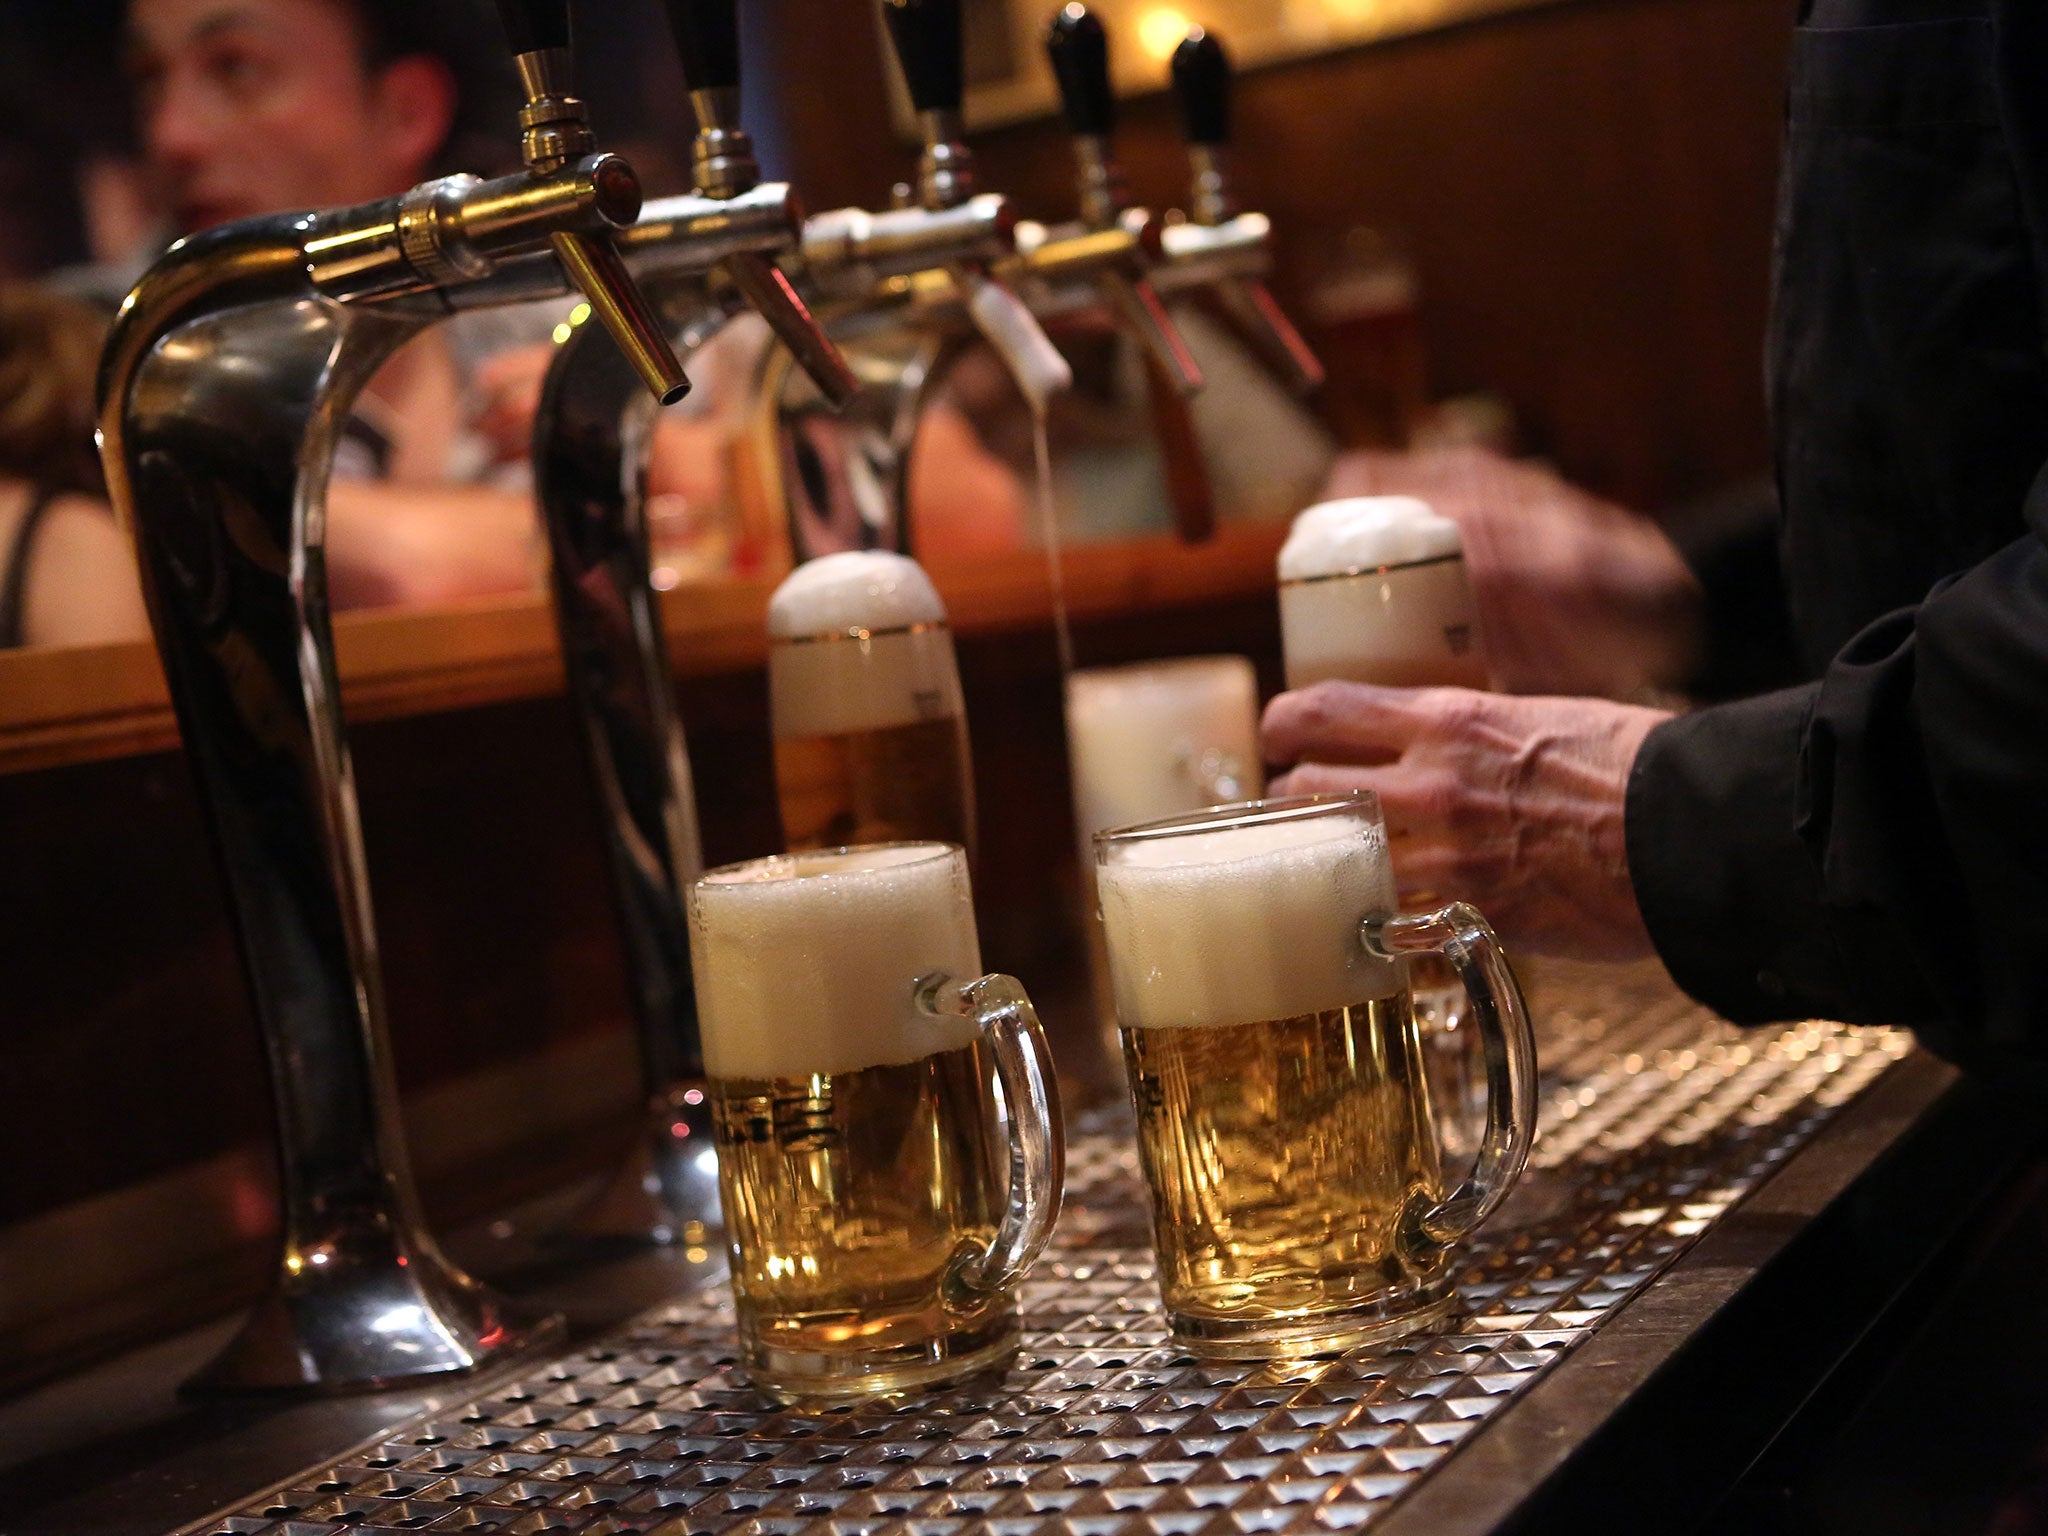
(225, 385)
(1657, 1120)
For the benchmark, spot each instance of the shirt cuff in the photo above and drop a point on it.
(1729, 892)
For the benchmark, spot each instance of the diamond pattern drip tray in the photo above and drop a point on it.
(1656, 1119)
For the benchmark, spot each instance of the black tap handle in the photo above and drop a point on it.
(931, 49)
(1079, 50)
(707, 36)
(1201, 83)
(531, 25)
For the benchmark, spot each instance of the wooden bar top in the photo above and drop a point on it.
(75, 704)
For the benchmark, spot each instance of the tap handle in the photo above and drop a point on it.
(707, 34)
(931, 50)
(1079, 49)
(1201, 84)
(534, 25)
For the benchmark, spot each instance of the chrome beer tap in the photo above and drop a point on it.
(702, 257)
(1079, 50)
(226, 381)
(1219, 251)
(905, 327)
(733, 243)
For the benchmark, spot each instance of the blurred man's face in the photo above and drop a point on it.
(260, 106)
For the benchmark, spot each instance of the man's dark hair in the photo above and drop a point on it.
(465, 36)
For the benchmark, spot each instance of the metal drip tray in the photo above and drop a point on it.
(1656, 1119)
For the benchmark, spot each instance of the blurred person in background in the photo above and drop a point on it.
(1871, 844)
(248, 107)
(66, 574)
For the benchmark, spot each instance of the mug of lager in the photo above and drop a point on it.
(880, 1211)
(1156, 737)
(864, 694)
(1152, 739)
(1373, 590)
(1285, 1122)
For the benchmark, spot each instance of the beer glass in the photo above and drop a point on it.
(1285, 1121)
(880, 1210)
(1158, 737)
(1373, 590)
(1152, 739)
(870, 727)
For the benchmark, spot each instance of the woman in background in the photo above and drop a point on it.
(67, 575)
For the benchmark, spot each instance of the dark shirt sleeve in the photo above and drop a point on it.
(1872, 847)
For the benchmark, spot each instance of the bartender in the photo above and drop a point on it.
(1871, 845)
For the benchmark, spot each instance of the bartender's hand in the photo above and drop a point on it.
(1513, 804)
(1576, 595)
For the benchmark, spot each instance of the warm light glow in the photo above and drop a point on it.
(1161, 29)
(580, 313)
(563, 332)
(1351, 12)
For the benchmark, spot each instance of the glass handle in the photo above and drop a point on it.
(1038, 1133)
(1463, 937)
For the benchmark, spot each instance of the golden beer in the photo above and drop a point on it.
(1288, 1161)
(894, 783)
(849, 1199)
(869, 721)
(1285, 1121)
(876, 1223)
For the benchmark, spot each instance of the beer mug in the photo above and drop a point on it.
(1157, 737)
(1285, 1122)
(864, 693)
(1373, 590)
(880, 1210)
(1152, 739)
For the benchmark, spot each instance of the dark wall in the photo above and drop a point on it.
(1585, 190)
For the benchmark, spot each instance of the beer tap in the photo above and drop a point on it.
(703, 257)
(1222, 251)
(930, 50)
(224, 388)
(1079, 49)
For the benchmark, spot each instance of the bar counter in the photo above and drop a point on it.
(1715, 1223)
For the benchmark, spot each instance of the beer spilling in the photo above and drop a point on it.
(1285, 1123)
(877, 1223)
(1373, 590)
(869, 723)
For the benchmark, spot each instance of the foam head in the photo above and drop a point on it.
(808, 962)
(1246, 923)
(900, 672)
(860, 589)
(1363, 533)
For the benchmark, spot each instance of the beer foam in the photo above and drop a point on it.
(1247, 924)
(859, 589)
(808, 962)
(1363, 533)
